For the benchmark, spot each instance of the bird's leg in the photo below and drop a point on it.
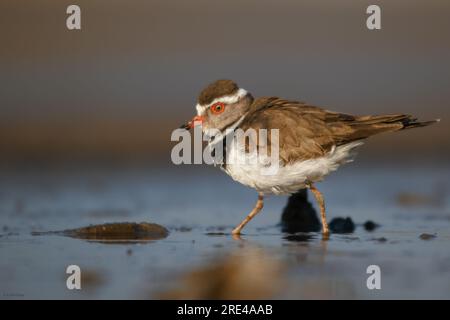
(258, 206)
(321, 202)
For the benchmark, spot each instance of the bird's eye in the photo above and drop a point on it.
(218, 107)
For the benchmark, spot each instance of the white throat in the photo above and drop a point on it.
(217, 136)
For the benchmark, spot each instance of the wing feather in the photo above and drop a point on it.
(307, 131)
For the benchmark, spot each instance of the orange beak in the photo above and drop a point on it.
(197, 120)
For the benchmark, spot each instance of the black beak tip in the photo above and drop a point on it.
(184, 126)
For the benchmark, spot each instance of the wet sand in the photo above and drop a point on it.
(199, 259)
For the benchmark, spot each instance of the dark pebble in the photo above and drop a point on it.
(342, 225)
(370, 225)
(427, 236)
(382, 239)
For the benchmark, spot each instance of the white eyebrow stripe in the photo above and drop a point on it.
(230, 99)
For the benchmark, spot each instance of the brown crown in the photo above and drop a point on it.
(217, 89)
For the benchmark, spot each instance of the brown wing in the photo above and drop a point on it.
(308, 132)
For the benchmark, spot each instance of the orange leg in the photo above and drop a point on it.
(258, 206)
(321, 202)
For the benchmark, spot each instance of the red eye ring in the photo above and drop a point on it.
(218, 107)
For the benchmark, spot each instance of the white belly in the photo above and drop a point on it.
(289, 178)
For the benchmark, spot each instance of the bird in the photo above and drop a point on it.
(313, 141)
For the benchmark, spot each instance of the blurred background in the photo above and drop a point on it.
(114, 91)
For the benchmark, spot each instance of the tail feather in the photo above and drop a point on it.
(392, 122)
(413, 123)
(365, 126)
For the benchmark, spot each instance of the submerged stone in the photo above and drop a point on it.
(117, 232)
(299, 214)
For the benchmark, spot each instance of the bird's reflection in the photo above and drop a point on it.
(243, 272)
(299, 237)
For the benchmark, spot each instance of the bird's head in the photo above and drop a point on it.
(220, 105)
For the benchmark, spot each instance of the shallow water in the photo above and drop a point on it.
(200, 207)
